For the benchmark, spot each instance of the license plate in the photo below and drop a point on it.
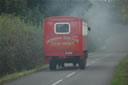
(68, 52)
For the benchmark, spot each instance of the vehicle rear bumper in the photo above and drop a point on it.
(64, 53)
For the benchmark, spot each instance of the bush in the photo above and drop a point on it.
(121, 73)
(20, 45)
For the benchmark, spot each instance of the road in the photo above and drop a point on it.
(100, 67)
(99, 71)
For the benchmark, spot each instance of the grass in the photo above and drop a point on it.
(15, 76)
(121, 73)
(91, 53)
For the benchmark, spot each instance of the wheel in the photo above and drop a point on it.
(81, 64)
(52, 64)
(62, 65)
(74, 64)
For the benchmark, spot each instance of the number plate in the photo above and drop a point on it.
(68, 52)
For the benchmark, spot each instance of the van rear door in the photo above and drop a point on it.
(63, 36)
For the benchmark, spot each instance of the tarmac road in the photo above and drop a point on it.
(99, 71)
(100, 67)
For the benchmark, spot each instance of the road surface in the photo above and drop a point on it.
(100, 67)
(99, 71)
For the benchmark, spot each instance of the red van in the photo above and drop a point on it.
(65, 41)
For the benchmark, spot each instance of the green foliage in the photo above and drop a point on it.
(123, 7)
(13, 6)
(30, 10)
(17, 75)
(121, 73)
(20, 45)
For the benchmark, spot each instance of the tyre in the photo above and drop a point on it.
(52, 64)
(81, 64)
(74, 64)
(62, 65)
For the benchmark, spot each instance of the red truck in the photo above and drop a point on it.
(65, 41)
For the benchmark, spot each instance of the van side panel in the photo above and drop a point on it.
(84, 34)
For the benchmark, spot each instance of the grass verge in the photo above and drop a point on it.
(121, 73)
(15, 76)
(91, 53)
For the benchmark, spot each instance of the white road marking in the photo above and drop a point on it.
(57, 82)
(75, 72)
(70, 74)
(95, 61)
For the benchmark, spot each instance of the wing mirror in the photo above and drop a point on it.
(89, 28)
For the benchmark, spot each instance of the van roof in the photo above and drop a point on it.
(62, 18)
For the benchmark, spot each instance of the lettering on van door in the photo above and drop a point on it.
(62, 41)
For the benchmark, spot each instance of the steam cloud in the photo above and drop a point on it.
(107, 31)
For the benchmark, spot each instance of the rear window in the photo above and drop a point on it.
(62, 28)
